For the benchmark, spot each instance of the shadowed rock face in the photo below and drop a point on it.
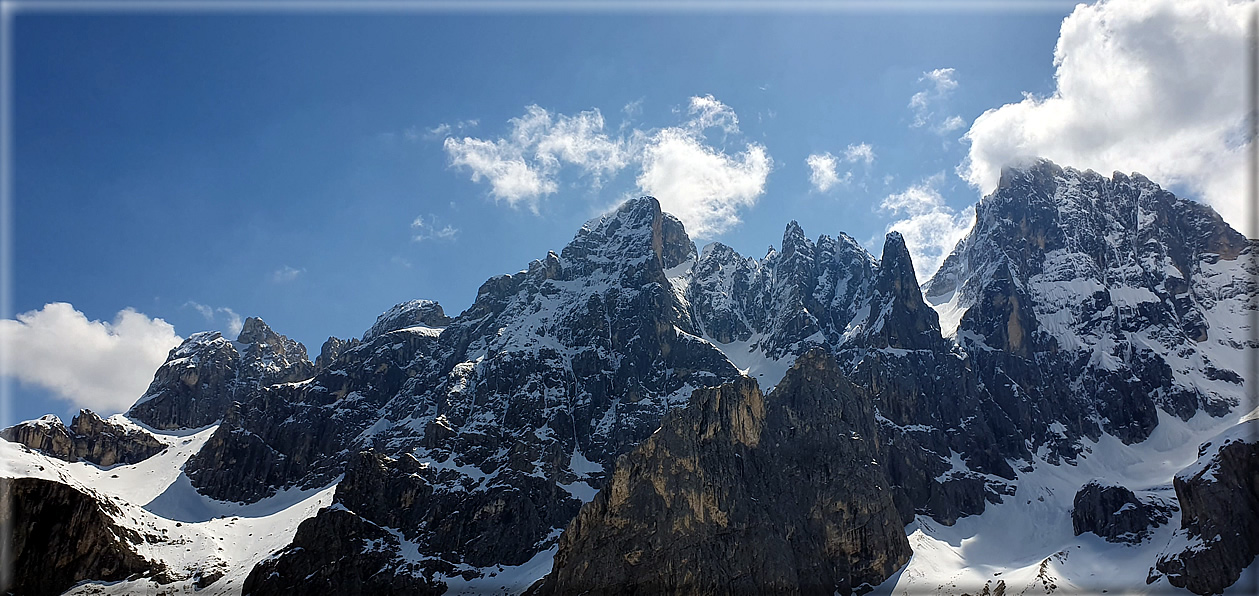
(744, 493)
(61, 536)
(337, 552)
(88, 438)
(1219, 502)
(206, 373)
(1116, 514)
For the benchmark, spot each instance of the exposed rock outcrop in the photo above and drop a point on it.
(337, 552)
(425, 313)
(1219, 522)
(87, 438)
(61, 536)
(1116, 514)
(744, 493)
(206, 373)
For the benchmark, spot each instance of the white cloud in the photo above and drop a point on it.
(706, 112)
(822, 173)
(286, 274)
(940, 84)
(523, 166)
(702, 186)
(860, 152)
(931, 229)
(91, 364)
(824, 167)
(231, 322)
(1151, 86)
(430, 229)
(694, 179)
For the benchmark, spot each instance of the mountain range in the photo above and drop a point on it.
(1063, 406)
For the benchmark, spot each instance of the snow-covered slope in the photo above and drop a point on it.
(201, 542)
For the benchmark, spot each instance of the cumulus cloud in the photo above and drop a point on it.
(523, 166)
(286, 274)
(931, 229)
(694, 178)
(227, 318)
(429, 229)
(860, 152)
(1151, 86)
(939, 85)
(90, 364)
(824, 167)
(822, 174)
(702, 186)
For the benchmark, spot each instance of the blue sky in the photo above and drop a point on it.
(188, 165)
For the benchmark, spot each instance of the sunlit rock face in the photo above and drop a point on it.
(87, 438)
(744, 492)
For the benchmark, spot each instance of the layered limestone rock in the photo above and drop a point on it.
(59, 536)
(87, 438)
(1219, 521)
(744, 493)
(1116, 514)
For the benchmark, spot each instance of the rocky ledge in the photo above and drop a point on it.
(1116, 514)
(1219, 524)
(87, 438)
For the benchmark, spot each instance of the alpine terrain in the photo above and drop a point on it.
(1063, 407)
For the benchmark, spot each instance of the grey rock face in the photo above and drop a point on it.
(269, 358)
(1219, 501)
(193, 387)
(61, 536)
(206, 373)
(331, 350)
(806, 295)
(1116, 514)
(525, 399)
(337, 552)
(898, 317)
(743, 493)
(87, 438)
(1103, 283)
(412, 313)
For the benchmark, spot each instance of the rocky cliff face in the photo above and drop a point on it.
(1116, 514)
(206, 373)
(740, 492)
(59, 536)
(1133, 297)
(337, 552)
(87, 438)
(1219, 500)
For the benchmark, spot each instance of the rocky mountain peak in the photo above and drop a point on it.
(1035, 172)
(794, 240)
(635, 231)
(899, 318)
(256, 331)
(408, 314)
